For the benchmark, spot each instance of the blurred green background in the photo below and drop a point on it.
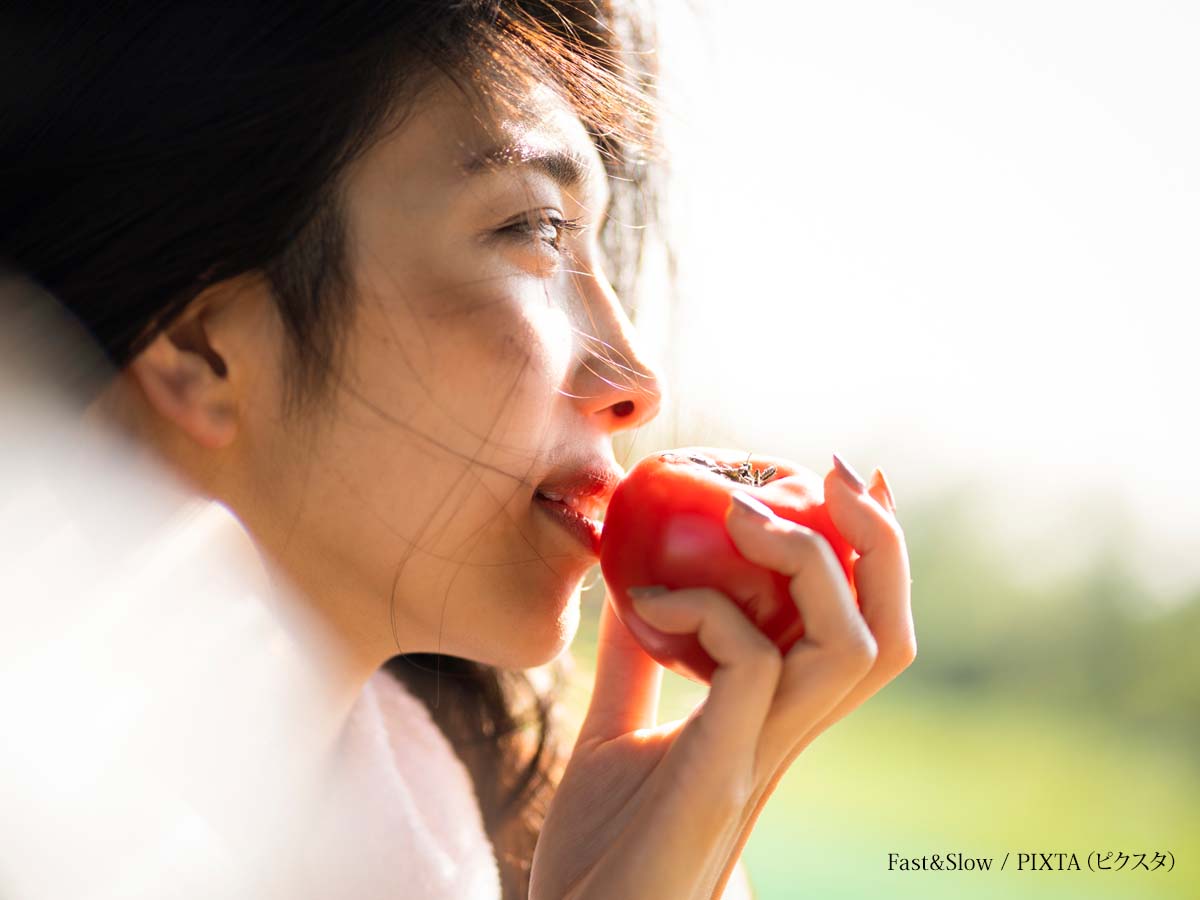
(1057, 718)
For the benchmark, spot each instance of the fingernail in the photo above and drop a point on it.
(881, 480)
(641, 592)
(848, 475)
(752, 506)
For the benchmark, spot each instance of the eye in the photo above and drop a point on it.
(544, 225)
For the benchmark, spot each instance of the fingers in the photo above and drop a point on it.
(748, 665)
(881, 573)
(817, 584)
(878, 487)
(628, 680)
(845, 655)
(837, 649)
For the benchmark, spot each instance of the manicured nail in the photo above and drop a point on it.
(848, 475)
(879, 479)
(641, 592)
(752, 506)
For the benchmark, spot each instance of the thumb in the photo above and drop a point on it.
(625, 693)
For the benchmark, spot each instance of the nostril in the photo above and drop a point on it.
(623, 409)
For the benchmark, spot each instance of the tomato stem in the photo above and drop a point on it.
(742, 474)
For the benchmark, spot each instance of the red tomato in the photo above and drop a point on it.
(665, 525)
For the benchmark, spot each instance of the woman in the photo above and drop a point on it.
(348, 263)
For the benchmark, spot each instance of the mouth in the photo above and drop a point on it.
(587, 507)
(577, 499)
(579, 515)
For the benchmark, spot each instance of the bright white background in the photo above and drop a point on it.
(957, 240)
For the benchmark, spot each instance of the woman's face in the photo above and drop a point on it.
(487, 354)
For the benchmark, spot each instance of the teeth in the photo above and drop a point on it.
(585, 506)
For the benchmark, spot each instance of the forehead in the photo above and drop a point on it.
(455, 139)
(545, 122)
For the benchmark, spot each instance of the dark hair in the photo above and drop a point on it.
(151, 150)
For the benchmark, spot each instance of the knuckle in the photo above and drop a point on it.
(808, 547)
(860, 649)
(767, 657)
(764, 652)
(897, 657)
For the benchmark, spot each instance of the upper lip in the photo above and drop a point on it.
(589, 486)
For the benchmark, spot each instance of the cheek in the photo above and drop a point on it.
(510, 382)
(552, 342)
(513, 357)
(476, 364)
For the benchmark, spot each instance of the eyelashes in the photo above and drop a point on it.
(545, 227)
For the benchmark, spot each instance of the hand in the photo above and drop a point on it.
(663, 811)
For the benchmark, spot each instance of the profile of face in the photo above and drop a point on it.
(486, 354)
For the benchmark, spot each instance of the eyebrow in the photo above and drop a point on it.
(567, 167)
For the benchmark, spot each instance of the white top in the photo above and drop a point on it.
(403, 819)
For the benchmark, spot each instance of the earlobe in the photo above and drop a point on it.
(185, 382)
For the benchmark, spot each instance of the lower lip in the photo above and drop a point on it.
(585, 530)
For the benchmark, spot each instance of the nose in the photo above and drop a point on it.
(613, 379)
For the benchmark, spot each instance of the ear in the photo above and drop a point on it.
(185, 381)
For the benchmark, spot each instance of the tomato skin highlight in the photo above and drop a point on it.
(665, 525)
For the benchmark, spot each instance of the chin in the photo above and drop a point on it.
(543, 634)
